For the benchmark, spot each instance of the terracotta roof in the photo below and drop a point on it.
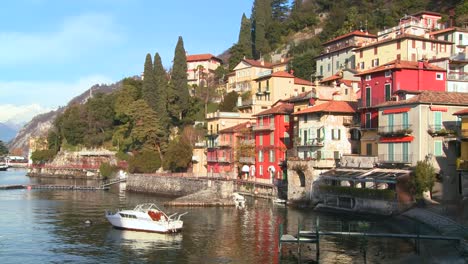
(403, 36)
(350, 34)
(331, 107)
(401, 64)
(201, 57)
(300, 81)
(279, 109)
(461, 112)
(334, 77)
(282, 74)
(432, 97)
(301, 97)
(259, 64)
(448, 30)
(235, 128)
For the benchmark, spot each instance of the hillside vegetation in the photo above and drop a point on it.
(274, 25)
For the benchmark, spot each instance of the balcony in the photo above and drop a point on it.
(265, 127)
(349, 121)
(224, 159)
(441, 131)
(247, 160)
(224, 143)
(248, 142)
(313, 142)
(457, 76)
(395, 131)
(200, 144)
(396, 158)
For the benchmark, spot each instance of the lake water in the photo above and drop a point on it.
(48, 226)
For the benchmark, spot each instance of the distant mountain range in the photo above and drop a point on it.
(7, 132)
(40, 124)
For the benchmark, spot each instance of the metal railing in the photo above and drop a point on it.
(395, 158)
(395, 130)
(313, 142)
(263, 127)
(457, 76)
(439, 129)
(248, 160)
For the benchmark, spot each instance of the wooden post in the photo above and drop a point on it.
(317, 245)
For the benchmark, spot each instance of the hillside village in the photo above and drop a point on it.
(397, 97)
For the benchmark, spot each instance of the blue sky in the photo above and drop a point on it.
(53, 50)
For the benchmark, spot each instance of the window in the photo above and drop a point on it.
(438, 148)
(368, 120)
(398, 56)
(305, 136)
(460, 37)
(369, 149)
(361, 66)
(439, 76)
(388, 92)
(336, 134)
(405, 120)
(328, 67)
(388, 74)
(272, 155)
(398, 44)
(375, 62)
(303, 89)
(413, 44)
(259, 87)
(368, 77)
(337, 64)
(260, 156)
(321, 70)
(260, 140)
(286, 118)
(424, 45)
(390, 122)
(390, 151)
(375, 50)
(437, 121)
(368, 96)
(360, 54)
(272, 138)
(260, 170)
(268, 85)
(405, 152)
(305, 118)
(261, 121)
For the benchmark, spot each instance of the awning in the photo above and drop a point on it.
(271, 168)
(396, 139)
(245, 168)
(396, 110)
(438, 108)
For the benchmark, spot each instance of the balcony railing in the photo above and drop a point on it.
(224, 159)
(263, 127)
(441, 130)
(457, 76)
(248, 141)
(313, 142)
(224, 143)
(247, 160)
(395, 131)
(396, 158)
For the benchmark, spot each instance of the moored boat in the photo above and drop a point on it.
(4, 167)
(146, 217)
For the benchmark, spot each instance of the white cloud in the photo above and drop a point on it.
(20, 114)
(48, 94)
(76, 36)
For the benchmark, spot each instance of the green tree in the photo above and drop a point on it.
(72, 125)
(145, 129)
(179, 155)
(229, 102)
(422, 178)
(3, 148)
(146, 161)
(245, 37)
(261, 18)
(303, 65)
(461, 13)
(161, 107)
(179, 96)
(236, 55)
(149, 91)
(100, 119)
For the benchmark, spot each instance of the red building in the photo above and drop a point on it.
(273, 131)
(380, 84)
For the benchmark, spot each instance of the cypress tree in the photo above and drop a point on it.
(245, 37)
(179, 96)
(161, 106)
(261, 18)
(148, 92)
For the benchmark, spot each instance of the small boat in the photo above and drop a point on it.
(146, 217)
(4, 167)
(239, 200)
(279, 201)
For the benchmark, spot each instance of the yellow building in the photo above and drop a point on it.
(463, 135)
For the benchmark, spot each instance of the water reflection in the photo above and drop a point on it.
(144, 240)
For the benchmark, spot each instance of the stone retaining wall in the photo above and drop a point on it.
(176, 186)
(63, 173)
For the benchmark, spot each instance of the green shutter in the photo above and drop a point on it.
(390, 122)
(437, 121)
(405, 152)
(405, 121)
(437, 148)
(390, 151)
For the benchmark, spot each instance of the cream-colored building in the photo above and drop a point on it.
(420, 126)
(271, 88)
(200, 67)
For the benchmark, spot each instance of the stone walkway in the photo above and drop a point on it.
(443, 224)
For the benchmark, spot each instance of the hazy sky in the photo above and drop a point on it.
(53, 50)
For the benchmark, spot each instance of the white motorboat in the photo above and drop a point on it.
(4, 167)
(239, 200)
(146, 217)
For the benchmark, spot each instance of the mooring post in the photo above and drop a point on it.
(280, 233)
(317, 234)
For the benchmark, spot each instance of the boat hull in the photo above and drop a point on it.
(171, 226)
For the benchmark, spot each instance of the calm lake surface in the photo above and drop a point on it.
(47, 226)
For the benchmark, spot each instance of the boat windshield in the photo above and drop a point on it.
(146, 207)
